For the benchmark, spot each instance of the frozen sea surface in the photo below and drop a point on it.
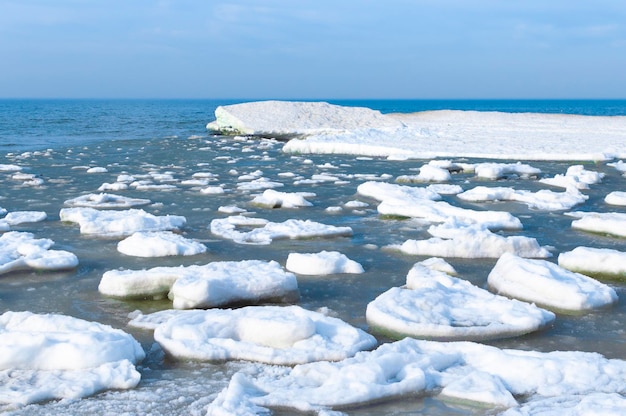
(172, 171)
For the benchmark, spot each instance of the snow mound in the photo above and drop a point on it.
(435, 305)
(54, 356)
(549, 285)
(284, 335)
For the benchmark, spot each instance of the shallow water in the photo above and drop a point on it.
(171, 387)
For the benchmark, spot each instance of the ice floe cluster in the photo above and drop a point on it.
(428, 328)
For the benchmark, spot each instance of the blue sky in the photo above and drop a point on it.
(313, 49)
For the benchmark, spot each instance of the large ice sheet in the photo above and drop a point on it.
(601, 262)
(284, 335)
(119, 223)
(210, 285)
(435, 305)
(548, 285)
(55, 356)
(410, 367)
(21, 251)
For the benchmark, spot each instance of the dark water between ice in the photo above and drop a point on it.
(182, 147)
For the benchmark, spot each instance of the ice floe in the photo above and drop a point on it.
(616, 198)
(119, 223)
(544, 199)
(106, 200)
(416, 202)
(548, 285)
(413, 368)
(576, 177)
(600, 262)
(491, 170)
(275, 199)
(459, 239)
(22, 251)
(51, 356)
(269, 231)
(159, 244)
(21, 217)
(285, 335)
(435, 305)
(204, 286)
(611, 223)
(322, 263)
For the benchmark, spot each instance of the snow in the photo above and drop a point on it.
(611, 223)
(549, 285)
(489, 170)
(435, 305)
(576, 177)
(21, 217)
(601, 262)
(55, 356)
(119, 223)
(204, 286)
(428, 173)
(105, 200)
(415, 202)
(460, 239)
(284, 335)
(544, 199)
(21, 250)
(323, 263)
(413, 368)
(159, 244)
(274, 199)
(269, 231)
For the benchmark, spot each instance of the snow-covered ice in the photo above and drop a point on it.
(616, 198)
(119, 223)
(544, 199)
(204, 286)
(576, 177)
(413, 368)
(159, 244)
(435, 305)
(284, 335)
(275, 199)
(21, 251)
(454, 239)
(490, 170)
(322, 263)
(21, 217)
(601, 262)
(269, 231)
(106, 200)
(611, 223)
(548, 285)
(48, 356)
(423, 203)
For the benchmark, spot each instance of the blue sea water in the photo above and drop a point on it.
(32, 124)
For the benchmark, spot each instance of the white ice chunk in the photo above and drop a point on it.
(54, 356)
(600, 404)
(616, 198)
(21, 250)
(428, 173)
(549, 285)
(501, 170)
(595, 261)
(9, 168)
(612, 223)
(322, 263)
(284, 335)
(105, 200)
(159, 244)
(452, 239)
(274, 199)
(119, 223)
(544, 199)
(20, 217)
(413, 368)
(292, 228)
(576, 177)
(97, 169)
(435, 305)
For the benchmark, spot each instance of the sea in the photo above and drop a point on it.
(58, 141)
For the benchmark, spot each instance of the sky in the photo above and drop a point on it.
(315, 49)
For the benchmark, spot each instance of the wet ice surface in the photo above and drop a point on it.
(168, 173)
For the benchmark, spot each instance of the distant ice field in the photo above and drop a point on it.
(177, 168)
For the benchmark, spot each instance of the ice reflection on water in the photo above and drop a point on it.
(170, 387)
